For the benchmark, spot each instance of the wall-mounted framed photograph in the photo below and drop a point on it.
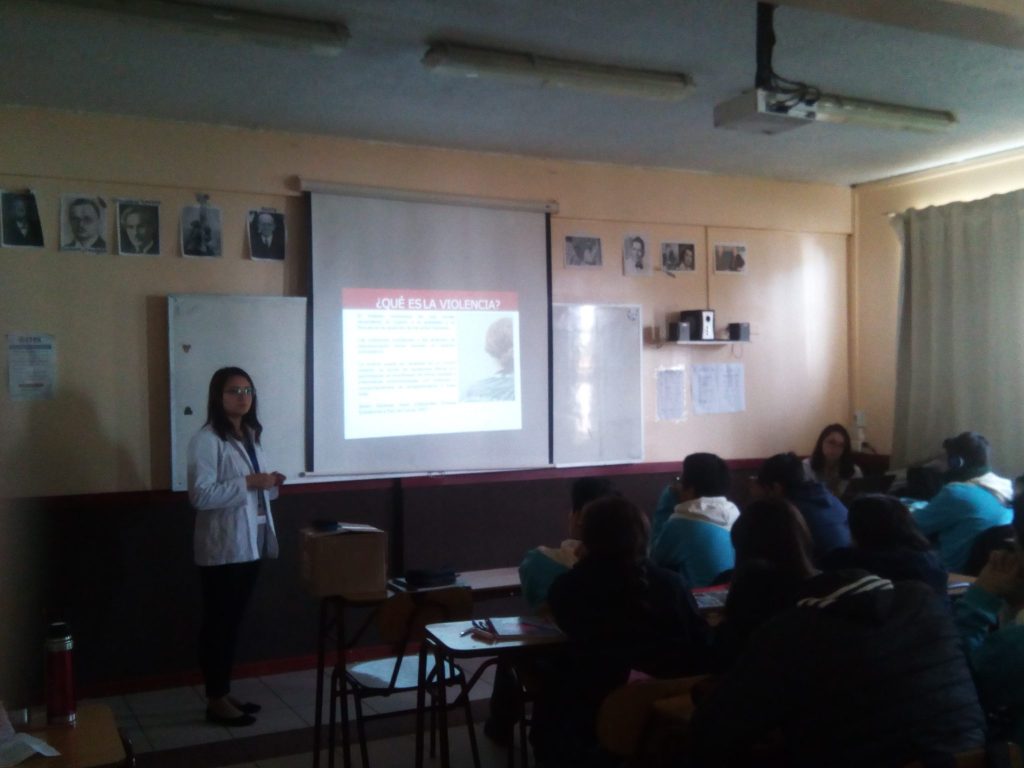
(21, 226)
(83, 223)
(678, 257)
(138, 227)
(582, 251)
(730, 258)
(200, 231)
(266, 234)
(635, 259)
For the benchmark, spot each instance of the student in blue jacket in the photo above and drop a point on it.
(782, 476)
(973, 500)
(693, 520)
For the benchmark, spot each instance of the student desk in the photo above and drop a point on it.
(451, 640)
(93, 742)
(485, 584)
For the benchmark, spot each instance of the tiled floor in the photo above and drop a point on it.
(168, 727)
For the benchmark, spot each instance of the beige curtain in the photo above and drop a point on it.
(960, 362)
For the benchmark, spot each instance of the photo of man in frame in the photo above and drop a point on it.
(138, 229)
(83, 223)
(21, 225)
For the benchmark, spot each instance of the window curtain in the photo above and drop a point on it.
(960, 359)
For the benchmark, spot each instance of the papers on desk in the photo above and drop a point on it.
(22, 746)
(513, 628)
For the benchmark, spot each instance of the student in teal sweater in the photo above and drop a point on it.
(973, 500)
(988, 617)
(542, 565)
(690, 532)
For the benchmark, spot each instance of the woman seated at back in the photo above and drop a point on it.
(773, 559)
(620, 612)
(831, 462)
(887, 542)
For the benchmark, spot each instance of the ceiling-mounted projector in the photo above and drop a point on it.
(762, 111)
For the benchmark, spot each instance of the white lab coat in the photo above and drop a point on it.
(226, 511)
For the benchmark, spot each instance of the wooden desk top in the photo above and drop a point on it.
(453, 638)
(93, 742)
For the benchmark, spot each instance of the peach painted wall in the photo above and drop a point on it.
(875, 271)
(107, 429)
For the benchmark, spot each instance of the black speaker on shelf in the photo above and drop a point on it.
(739, 331)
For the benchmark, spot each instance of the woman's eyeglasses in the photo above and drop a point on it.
(240, 391)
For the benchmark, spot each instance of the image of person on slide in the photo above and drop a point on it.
(499, 344)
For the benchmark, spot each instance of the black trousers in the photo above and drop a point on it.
(226, 592)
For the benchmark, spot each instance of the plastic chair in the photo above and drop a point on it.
(400, 622)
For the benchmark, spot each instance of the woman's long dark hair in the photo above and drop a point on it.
(215, 415)
(773, 531)
(883, 522)
(845, 461)
(614, 532)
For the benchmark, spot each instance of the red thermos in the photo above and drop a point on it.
(60, 682)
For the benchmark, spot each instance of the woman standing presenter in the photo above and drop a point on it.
(231, 493)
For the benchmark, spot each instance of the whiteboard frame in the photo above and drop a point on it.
(266, 336)
(630, 391)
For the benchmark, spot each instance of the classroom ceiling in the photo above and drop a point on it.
(966, 56)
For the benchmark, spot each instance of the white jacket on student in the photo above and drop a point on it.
(227, 513)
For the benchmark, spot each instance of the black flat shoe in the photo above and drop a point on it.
(238, 721)
(248, 707)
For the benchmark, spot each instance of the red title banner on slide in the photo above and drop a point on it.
(417, 300)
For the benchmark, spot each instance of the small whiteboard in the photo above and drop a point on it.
(597, 356)
(265, 336)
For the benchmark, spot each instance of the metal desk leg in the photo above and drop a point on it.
(421, 696)
(321, 650)
(442, 704)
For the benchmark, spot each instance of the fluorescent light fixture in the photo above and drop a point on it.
(466, 61)
(325, 38)
(765, 111)
(831, 108)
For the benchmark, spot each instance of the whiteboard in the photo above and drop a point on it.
(597, 397)
(265, 336)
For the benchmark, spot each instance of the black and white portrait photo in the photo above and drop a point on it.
(678, 257)
(138, 227)
(21, 226)
(200, 231)
(83, 223)
(730, 257)
(266, 235)
(582, 251)
(635, 259)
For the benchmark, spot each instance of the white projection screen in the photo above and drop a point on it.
(430, 337)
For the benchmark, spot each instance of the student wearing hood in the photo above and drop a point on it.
(861, 671)
(973, 500)
(693, 539)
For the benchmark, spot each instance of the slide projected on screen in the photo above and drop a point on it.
(427, 362)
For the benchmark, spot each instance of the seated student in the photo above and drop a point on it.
(972, 500)
(620, 612)
(694, 540)
(542, 565)
(862, 671)
(831, 462)
(887, 542)
(988, 617)
(782, 476)
(773, 559)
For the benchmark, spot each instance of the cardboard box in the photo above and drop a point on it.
(351, 562)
